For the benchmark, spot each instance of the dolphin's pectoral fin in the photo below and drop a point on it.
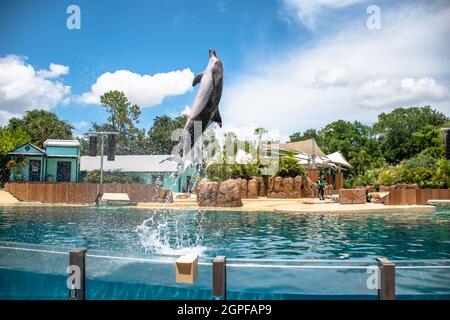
(217, 118)
(197, 79)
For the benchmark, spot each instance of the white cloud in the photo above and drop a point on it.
(411, 56)
(381, 93)
(22, 88)
(186, 111)
(307, 11)
(55, 70)
(335, 76)
(80, 125)
(144, 90)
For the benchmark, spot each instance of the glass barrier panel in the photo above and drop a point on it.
(32, 272)
(422, 279)
(114, 276)
(300, 279)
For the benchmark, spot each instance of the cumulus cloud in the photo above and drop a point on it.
(335, 76)
(55, 70)
(144, 90)
(412, 58)
(307, 11)
(380, 93)
(22, 88)
(186, 111)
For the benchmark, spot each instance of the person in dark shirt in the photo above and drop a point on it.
(321, 186)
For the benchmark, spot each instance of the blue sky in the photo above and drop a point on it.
(278, 59)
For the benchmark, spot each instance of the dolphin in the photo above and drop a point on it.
(205, 109)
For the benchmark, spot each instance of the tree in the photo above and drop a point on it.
(123, 118)
(160, 134)
(429, 139)
(396, 130)
(290, 167)
(308, 134)
(41, 125)
(9, 139)
(122, 115)
(259, 132)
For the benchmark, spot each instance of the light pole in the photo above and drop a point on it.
(102, 134)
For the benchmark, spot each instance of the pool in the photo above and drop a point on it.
(330, 253)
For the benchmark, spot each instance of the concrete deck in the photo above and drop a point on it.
(288, 206)
(7, 198)
(294, 206)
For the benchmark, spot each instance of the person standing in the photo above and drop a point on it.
(321, 186)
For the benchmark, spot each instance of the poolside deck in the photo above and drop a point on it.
(295, 206)
(288, 206)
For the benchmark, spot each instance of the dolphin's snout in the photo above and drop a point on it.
(212, 53)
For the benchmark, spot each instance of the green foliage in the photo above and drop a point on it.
(9, 139)
(405, 132)
(123, 118)
(217, 172)
(160, 134)
(111, 177)
(16, 164)
(368, 178)
(426, 171)
(41, 125)
(308, 134)
(289, 167)
(122, 115)
(221, 172)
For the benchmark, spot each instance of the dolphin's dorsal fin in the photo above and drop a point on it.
(197, 79)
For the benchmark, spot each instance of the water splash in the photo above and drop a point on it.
(171, 234)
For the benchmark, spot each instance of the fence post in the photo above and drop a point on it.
(219, 278)
(77, 269)
(387, 279)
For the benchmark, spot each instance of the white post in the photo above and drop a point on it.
(314, 154)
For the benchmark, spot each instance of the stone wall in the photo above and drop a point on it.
(215, 194)
(230, 192)
(352, 196)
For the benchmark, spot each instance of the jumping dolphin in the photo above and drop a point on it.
(206, 105)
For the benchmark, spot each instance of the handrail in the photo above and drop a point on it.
(235, 261)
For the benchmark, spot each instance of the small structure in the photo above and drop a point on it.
(59, 161)
(115, 199)
(148, 168)
(186, 269)
(312, 157)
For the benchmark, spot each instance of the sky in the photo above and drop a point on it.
(289, 65)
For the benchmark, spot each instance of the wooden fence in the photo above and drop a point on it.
(416, 196)
(74, 192)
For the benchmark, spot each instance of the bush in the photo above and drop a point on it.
(290, 167)
(221, 172)
(423, 169)
(112, 177)
(369, 178)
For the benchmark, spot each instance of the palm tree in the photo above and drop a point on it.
(259, 132)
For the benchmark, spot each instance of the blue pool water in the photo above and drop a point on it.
(132, 253)
(233, 234)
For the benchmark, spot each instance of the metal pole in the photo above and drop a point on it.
(77, 260)
(387, 279)
(314, 154)
(101, 165)
(219, 278)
